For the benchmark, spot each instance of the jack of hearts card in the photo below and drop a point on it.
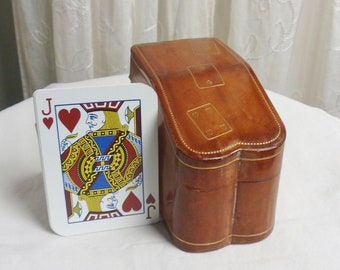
(99, 151)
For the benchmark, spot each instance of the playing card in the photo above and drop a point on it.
(99, 151)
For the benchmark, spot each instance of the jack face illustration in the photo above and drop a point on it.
(95, 120)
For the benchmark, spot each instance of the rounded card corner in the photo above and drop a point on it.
(58, 230)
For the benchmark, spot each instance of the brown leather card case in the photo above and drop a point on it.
(220, 141)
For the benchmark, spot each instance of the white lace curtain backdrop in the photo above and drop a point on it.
(292, 45)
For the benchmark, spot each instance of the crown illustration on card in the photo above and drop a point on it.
(102, 106)
(110, 109)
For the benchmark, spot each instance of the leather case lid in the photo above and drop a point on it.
(213, 103)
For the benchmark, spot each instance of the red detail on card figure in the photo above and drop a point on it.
(131, 203)
(69, 118)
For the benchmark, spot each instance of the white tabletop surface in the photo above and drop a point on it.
(306, 234)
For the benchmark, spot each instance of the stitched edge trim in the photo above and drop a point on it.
(222, 165)
(228, 163)
(218, 241)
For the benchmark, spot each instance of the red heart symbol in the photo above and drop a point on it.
(150, 199)
(48, 121)
(131, 203)
(69, 118)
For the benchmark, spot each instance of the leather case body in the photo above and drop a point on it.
(220, 143)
